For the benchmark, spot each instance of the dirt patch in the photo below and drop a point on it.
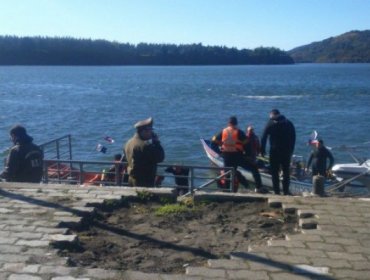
(136, 237)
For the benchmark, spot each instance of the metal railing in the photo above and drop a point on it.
(60, 168)
(59, 148)
(95, 173)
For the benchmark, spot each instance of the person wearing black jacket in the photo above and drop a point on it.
(25, 160)
(281, 133)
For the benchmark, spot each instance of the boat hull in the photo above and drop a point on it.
(347, 171)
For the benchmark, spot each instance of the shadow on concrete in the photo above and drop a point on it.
(42, 203)
(195, 251)
(287, 267)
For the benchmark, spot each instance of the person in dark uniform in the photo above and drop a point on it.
(281, 133)
(110, 174)
(233, 142)
(181, 174)
(25, 160)
(143, 152)
(318, 158)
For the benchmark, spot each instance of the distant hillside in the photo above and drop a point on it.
(69, 51)
(350, 47)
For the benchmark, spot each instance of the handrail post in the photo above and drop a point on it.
(81, 173)
(46, 175)
(58, 171)
(191, 186)
(57, 147)
(70, 148)
(117, 174)
(232, 179)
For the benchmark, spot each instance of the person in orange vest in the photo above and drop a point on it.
(232, 141)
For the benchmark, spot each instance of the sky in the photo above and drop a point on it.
(248, 24)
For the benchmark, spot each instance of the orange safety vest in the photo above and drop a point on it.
(230, 140)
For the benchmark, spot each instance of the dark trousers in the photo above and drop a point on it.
(252, 166)
(280, 161)
(237, 159)
(141, 182)
(318, 170)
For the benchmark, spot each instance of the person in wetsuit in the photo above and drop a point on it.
(319, 159)
(281, 133)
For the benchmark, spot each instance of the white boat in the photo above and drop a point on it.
(359, 172)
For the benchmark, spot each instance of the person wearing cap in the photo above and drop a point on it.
(143, 152)
(232, 141)
(25, 159)
(281, 133)
(318, 158)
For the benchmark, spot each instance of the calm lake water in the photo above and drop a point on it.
(187, 103)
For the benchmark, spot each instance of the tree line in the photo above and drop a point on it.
(70, 51)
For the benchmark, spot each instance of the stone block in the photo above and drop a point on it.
(346, 256)
(4, 248)
(342, 241)
(247, 274)
(206, 272)
(303, 237)
(284, 260)
(267, 249)
(331, 263)
(55, 238)
(305, 214)
(68, 278)
(8, 240)
(360, 265)
(27, 235)
(310, 270)
(350, 274)
(32, 243)
(320, 232)
(20, 268)
(228, 264)
(308, 223)
(13, 258)
(23, 277)
(57, 270)
(98, 273)
(325, 246)
(287, 276)
(285, 243)
(51, 230)
(137, 275)
(307, 252)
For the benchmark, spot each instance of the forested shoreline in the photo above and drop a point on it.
(70, 51)
(350, 47)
